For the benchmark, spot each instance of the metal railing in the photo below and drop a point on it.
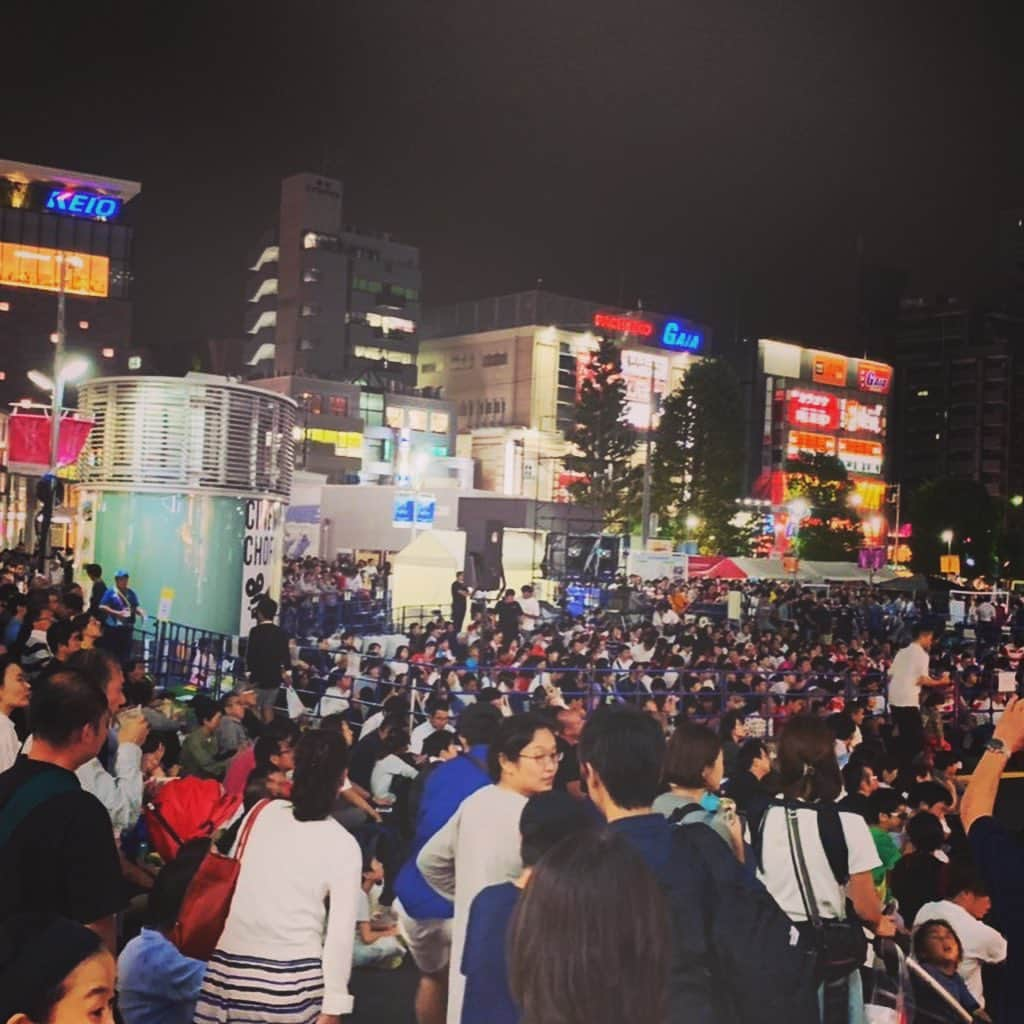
(177, 655)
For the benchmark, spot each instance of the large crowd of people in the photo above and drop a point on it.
(676, 812)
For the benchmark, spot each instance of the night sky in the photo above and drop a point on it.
(717, 160)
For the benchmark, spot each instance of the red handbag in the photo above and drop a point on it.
(204, 910)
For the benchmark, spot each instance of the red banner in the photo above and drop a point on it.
(28, 440)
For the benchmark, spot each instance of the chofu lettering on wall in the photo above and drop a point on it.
(261, 556)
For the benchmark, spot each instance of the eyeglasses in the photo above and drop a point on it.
(553, 758)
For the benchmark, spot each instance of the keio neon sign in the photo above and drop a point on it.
(83, 204)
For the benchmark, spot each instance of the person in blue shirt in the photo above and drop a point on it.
(424, 917)
(938, 950)
(547, 818)
(156, 983)
(120, 606)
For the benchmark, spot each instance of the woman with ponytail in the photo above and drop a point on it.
(286, 951)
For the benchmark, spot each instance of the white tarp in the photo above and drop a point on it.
(423, 571)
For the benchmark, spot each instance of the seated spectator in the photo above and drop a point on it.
(199, 754)
(157, 983)
(391, 765)
(54, 971)
(938, 949)
(886, 815)
(376, 945)
(231, 734)
(859, 782)
(964, 910)
(595, 886)
(366, 752)
(921, 876)
(438, 715)
(547, 818)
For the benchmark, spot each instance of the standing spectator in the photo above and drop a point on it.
(480, 844)
(597, 888)
(460, 595)
(547, 818)
(998, 855)
(17, 608)
(732, 730)
(293, 915)
(57, 852)
(267, 656)
(54, 971)
(120, 604)
(747, 787)
(63, 639)
(530, 610)
(922, 874)
(508, 612)
(965, 910)
(36, 654)
(908, 674)
(156, 983)
(15, 693)
(97, 587)
(810, 780)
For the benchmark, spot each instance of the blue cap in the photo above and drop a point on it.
(120, 573)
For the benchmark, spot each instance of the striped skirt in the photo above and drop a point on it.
(249, 990)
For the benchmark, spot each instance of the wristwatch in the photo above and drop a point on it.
(997, 746)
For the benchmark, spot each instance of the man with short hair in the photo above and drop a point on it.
(909, 674)
(37, 653)
(508, 612)
(439, 713)
(267, 656)
(98, 586)
(460, 597)
(120, 604)
(199, 751)
(886, 814)
(63, 639)
(747, 787)
(530, 608)
(57, 850)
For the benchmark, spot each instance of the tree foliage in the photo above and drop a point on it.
(830, 532)
(604, 442)
(697, 463)
(963, 506)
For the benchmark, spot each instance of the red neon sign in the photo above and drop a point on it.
(624, 324)
(813, 409)
(874, 377)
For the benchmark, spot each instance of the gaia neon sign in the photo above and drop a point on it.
(82, 204)
(676, 336)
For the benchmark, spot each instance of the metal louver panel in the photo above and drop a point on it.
(197, 433)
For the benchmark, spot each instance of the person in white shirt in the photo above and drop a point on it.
(391, 765)
(530, 607)
(480, 844)
(908, 674)
(438, 719)
(14, 694)
(969, 902)
(285, 954)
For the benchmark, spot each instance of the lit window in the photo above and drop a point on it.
(268, 318)
(309, 240)
(439, 423)
(338, 405)
(53, 338)
(107, 353)
(267, 287)
(393, 417)
(135, 362)
(309, 310)
(5, 307)
(83, 325)
(404, 358)
(269, 255)
(923, 393)
(418, 419)
(3, 375)
(311, 275)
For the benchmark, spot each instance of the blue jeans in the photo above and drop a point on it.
(366, 955)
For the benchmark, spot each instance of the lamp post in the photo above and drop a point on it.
(947, 538)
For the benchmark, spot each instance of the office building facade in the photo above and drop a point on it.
(328, 301)
(63, 229)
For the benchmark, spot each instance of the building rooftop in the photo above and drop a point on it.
(16, 170)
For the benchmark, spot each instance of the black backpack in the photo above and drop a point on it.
(761, 975)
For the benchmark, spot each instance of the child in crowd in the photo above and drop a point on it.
(376, 945)
(938, 950)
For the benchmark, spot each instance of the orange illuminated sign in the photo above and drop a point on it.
(805, 441)
(828, 368)
(31, 266)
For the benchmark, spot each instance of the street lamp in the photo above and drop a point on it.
(947, 538)
(799, 508)
(692, 522)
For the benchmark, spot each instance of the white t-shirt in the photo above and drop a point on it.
(909, 665)
(420, 733)
(981, 942)
(9, 744)
(334, 701)
(531, 613)
(386, 769)
(779, 877)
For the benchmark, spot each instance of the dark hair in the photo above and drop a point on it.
(68, 703)
(853, 774)
(93, 570)
(514, 735)
(266, 607)
(320, 762)
(965, 877)
(928, 793)
(626, 748)
(204, 708)
(842, 726)
(153, 742)
(547, 819)
(479, 724)
(168, 891)
(227, 699)
(596, 886)
(883, 801)
(923, 930)
(728, 723)
(925, 832)
(59, 635)
(396, 740)
(256, 785)
(750, 751)
(693, 748)
(97, 664)
(808, 769)
(268, 746)
(920, 630)
(438, 742)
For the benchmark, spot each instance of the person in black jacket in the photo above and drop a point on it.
(267, 656)
(748, 787)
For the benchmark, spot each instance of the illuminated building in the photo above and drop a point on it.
(328, 301)
(808, 400)
(60, 225)
(512, 366)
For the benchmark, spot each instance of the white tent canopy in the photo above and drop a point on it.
(422, 572)
(810, 572)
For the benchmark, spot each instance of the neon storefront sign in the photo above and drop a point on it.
(624, 324)
(812, 409)
(676, 336)
(82, 204)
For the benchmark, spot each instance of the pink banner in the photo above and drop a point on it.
(28, 440)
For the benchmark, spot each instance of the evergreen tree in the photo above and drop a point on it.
(830, 532)
(604, 442)
(697, 464)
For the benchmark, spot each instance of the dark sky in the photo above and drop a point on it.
(718, 160)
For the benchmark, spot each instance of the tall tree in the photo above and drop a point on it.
(830, 532)
(697, 465)
(604, 442)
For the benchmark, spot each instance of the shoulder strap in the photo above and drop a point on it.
(833, 839)
(803, 878)
(34, 793)
(678, 816)
(243, 839)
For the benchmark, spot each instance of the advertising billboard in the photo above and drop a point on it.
(793, 362)
(828, 368)
(31, 266)
(646, 375)
(857, 417)
(807, 441)
(812, 409)
(860, 456)
(874, 377)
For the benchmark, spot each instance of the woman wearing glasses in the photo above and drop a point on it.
(480, 845)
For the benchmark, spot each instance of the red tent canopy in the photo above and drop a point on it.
(724, 569)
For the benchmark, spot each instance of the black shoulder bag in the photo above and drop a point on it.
(840, 944)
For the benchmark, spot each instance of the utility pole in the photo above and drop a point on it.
(50, 492)
(645, 507)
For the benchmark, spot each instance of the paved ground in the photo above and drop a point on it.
(384, 997)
